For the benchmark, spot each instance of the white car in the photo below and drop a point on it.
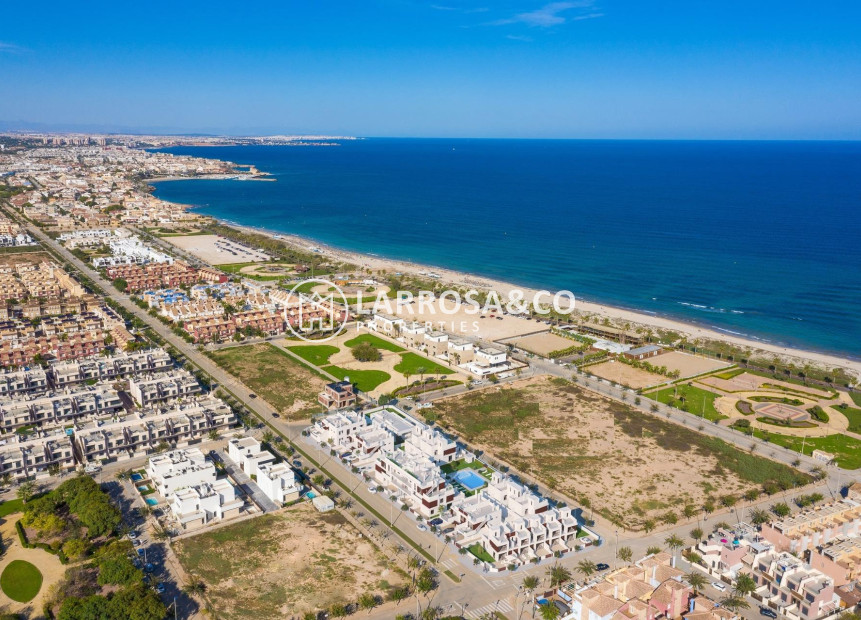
(372, 489)
(422, 528)
(717, 585)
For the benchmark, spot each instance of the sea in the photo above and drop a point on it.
(755, 239)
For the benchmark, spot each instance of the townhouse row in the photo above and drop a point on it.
(52, 410)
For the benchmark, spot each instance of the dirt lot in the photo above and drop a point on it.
(747, 382)
(543, 344)
(630, 466)
(688, 365)
(275, 376)
(283, 564)
(217, 250)
(626, 375)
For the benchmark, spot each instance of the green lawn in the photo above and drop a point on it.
(21, 581)
(316, 354)
(847, 449)
(365, 380)
(11, 506)
(411, 363)
(853, 414)
(376, 341)
(481, 553)
(459, 464)
(690, 398)
(729, 374)
(856, 397)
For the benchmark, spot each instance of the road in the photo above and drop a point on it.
(476, 591)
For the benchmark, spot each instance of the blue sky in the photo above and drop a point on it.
(471, 68)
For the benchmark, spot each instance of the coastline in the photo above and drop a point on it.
(636, 318)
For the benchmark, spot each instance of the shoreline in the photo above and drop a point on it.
(635, 317)
(469, 280)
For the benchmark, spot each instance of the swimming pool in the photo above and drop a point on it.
(469, 479)
(151, 502)
(311, 495)
(137, 477)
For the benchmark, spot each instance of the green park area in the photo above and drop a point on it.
(21, 581)
(690, 398)
(376, 342)
(847, 450)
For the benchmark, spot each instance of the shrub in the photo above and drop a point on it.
(366, 352)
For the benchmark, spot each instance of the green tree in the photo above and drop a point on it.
(367, 601)
(558, 574)
(338, 610)
(758, 516)
(653, 550)
(674, 542)
(697, 534)
(549, 612)
(734, 603)
(586, 567)
(781, 509)
(26, 491)
(74, 548)
(697, 580)
(366, 352)
(625, 554)
(744, 584)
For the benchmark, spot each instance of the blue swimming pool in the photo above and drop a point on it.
(151, 502)
(137, 477)
(311, 495)
(469, 479)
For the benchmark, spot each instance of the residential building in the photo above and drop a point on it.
(338, 395)
(163, 387)
(26, 457)
(179, 469)
(197, 505)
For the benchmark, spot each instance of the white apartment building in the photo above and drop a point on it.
(276, 480)
(22, 457)
(196, 505)
(512, 523)
(63, 374)
(386, 324)
(58, 409)
(26, 381)
(131, 251)
(142, 432)
(162, 387)
(430, 443)
(179, 469)
(416, 480)
(794, 589)
(338, 429)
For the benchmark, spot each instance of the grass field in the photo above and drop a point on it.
(856, 397)
(729, 374)
(606, 454)
(376, 341)
(365, 380)
(11, 506)
(316, 354)
(481, 553)
(21, 581)
(285, 564)
(846, 449)
(853, 414)
(411, 363)
(690, 398)
(278, 378)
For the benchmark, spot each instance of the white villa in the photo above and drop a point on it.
(197, 505)
(276, 480)
(178, 469)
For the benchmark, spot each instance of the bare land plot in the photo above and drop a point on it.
(631, 467)
(543, 344)
(278, 378)
(688, 365)
(623, 374)
(284, 564)
(217, 250)
(748, 382)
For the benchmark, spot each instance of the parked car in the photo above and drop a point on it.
(141, 552)
(767, 612)
(422, 527)
(603, 566)
(372, 489)
(276, 415)
(436, 521)
(252, 396)
(717, 585)
(132, 535)
(159, 587)
(150, 567)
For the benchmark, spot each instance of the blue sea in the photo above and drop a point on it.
(760, 239)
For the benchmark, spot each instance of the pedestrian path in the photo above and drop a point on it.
(501, 606)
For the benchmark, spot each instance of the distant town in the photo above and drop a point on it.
(192, 426)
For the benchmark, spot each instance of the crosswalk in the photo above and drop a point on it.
(501, 606)
(449, 563)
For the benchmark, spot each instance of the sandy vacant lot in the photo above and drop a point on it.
(688, 365)
(217, 250)
(626, 375)
(283, 564)
(543, 344)
(631, 467)
(747, 382)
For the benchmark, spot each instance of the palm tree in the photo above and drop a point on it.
(194, 587)
(697, 580)
(625, 554)
(123, 475)
(367, 601)
(697, 534)
(558, 574)
(734, 603)
(26, 491)
(6, 480)
(689, 511)
(744, 585)
(674, 543)
(549, 612)
(587, 567)
(758, 516)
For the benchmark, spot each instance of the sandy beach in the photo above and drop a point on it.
(466, 280)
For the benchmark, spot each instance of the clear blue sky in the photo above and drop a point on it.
(506, 68)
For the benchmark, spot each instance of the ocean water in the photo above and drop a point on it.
(761, 239)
